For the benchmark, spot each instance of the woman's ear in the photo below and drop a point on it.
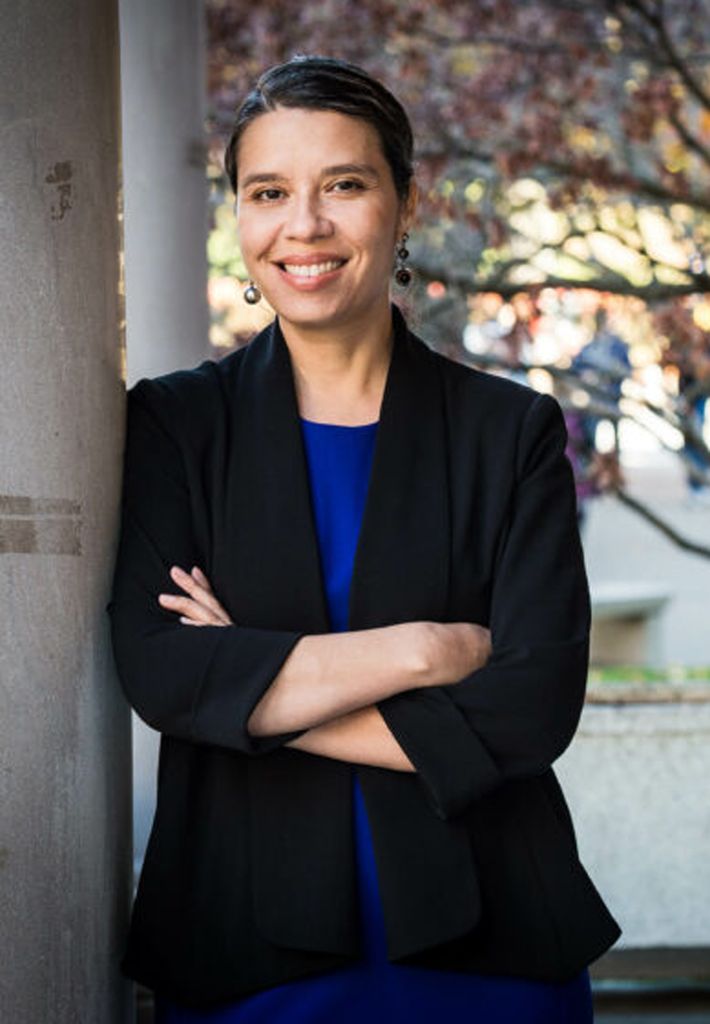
(408, 209)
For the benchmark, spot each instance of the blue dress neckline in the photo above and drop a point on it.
(339, 426)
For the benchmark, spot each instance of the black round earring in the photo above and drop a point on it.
(251, 293)
(402, 273)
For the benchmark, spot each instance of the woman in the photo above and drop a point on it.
(351, 596)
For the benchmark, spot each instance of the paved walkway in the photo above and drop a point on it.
(702, 1017)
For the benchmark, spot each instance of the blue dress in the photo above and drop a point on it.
(373, 990)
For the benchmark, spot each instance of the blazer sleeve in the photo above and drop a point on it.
(196, 683)
(516, 715)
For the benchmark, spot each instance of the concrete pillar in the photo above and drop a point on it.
(64, 726)
(163, 89)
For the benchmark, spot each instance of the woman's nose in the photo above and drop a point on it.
(306, 218)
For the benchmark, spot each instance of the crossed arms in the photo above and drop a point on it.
(330, 683)
(435, 698)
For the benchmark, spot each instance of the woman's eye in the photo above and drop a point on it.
(267, 194)
(347, 185)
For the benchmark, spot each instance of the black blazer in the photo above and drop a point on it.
(249, 875)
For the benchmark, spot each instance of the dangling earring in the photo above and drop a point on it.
(402, 273)
(251, 294)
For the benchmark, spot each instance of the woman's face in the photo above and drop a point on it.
(318, 216)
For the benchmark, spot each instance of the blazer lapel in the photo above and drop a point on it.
(402, 574)
(401, 567)
(302, 856)
(301, 834)
(270, 541)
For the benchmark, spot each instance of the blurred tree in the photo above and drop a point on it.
(560, 145)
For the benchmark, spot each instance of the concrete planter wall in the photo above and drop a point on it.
(637, 778)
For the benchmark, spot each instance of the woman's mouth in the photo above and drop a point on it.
(307, 274)
(312, 269)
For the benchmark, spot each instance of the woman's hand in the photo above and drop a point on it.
(201, 608)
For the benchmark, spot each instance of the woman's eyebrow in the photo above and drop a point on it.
(261, 177)
(365, 169)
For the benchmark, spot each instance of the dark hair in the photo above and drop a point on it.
(325, 83)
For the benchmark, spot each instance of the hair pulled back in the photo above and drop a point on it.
(326, 83)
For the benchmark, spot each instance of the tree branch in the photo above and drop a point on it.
(655, 520)
(629, 183)
(689, 139)
(651, 293)
(658, 24)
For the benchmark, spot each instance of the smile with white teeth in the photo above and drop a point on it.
(311, 269)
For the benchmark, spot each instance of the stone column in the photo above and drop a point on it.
(165, 228)
(65, 828)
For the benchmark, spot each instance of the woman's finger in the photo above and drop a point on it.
(202, 580)
(198, 574)
(200, 591)
(194, 588)
(194, 610)
(197, 584)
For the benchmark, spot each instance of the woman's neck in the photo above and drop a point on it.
(340, 375)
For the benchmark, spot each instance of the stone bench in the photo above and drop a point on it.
(627, 624)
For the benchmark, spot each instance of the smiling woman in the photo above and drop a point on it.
(363, 689)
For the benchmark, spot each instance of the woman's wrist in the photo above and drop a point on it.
(425, 651)
(361, 737)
